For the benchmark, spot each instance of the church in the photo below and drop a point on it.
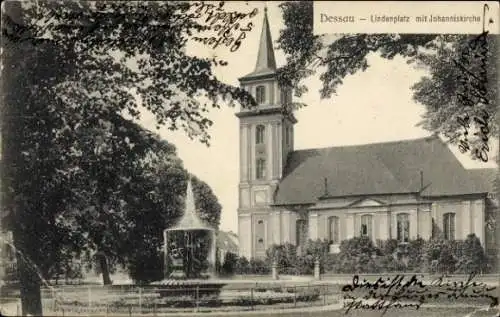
(396, 190)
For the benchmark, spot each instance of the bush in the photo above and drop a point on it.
(145, 267)
(304, 265)
(285, 256)
(258, 266)
(357, 256)
(388, 247)
(416, 256)
(230, 263)
(440, 256)
(242, 266)
(471, 256)
(360, 255)
(318, 250)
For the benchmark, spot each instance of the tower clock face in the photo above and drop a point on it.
(260, 197)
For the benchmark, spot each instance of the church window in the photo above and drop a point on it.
(366, 226)
(449, 226)
(260, 94)
(403, 228)
(286, 96)
(287, 135)
(259, 233)
(333, 228)
(259, 134)
(260, 171)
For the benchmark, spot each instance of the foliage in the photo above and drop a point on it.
(145, 266)
(439, 256)
(388, 247)
(472, 258)
(359, 255)
(416, 254)
(258, 266)
(441, 92)
(242, 265)
(317, 250)
(230, 263)
(283, 255)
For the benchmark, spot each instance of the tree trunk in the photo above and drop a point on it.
(29, 281)
(103, 263)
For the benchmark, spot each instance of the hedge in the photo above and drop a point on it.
(361, 255)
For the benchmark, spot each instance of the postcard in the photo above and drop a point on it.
(301, 158)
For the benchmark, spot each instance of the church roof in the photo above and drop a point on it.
(266, 62)
(381, 168)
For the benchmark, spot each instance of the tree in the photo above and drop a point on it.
(455, 101)
(67, 63)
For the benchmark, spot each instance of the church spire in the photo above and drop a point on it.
(265, 57)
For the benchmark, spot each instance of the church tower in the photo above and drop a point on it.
(266, 138)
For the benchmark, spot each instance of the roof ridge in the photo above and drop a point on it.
(368, 144)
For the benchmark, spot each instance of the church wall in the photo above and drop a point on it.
(270, 89)
(293, 220)
(244, 152)
(275, 152)
(479, 219)
(286, 226)
(350, 225)
(245, 235)
(274, 229)
(469, 216)
(313, 226)
(424, 224)
(261, 237)
(383, 226)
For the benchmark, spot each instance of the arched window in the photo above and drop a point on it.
(366, 226)
(287, 135)
(333, 230)
(403, 227)
(260, 170)
(449, 226)
(260, 93)
(260, 132)
(299, 232)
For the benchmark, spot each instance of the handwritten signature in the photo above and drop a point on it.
(474, 93)
(224, 23)
(395, 292)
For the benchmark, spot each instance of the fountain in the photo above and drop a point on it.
(180, 245)
(189, 255)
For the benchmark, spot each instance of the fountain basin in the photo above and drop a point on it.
(194, 288)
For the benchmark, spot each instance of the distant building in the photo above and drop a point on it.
(8, 268)
(395, 190)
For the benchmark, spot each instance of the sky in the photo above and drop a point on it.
(371, 106)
